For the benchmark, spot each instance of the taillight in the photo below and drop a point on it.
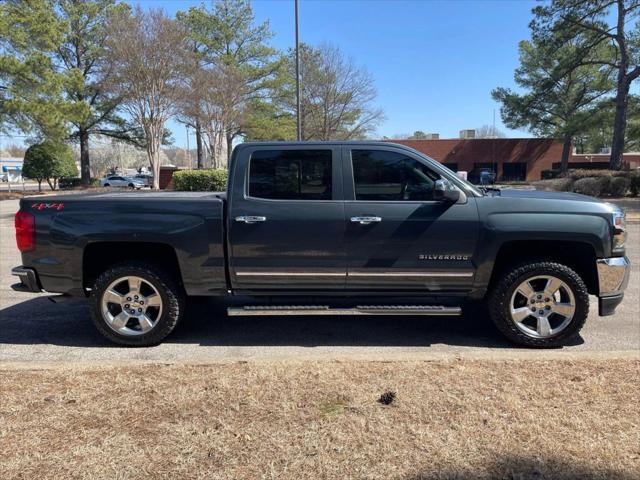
(25, 231)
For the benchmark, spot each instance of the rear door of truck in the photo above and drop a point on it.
(286, 219)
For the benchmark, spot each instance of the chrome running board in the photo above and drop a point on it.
(429, 310)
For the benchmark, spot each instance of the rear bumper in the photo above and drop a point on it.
(28, 280)
(613, 277)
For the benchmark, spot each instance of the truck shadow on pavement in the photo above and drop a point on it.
(39, 321)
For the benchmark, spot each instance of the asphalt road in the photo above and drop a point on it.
(33, 329)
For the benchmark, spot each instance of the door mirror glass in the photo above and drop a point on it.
(445, 191)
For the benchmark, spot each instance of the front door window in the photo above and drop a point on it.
(390, 176)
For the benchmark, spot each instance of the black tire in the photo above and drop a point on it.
(132, 186)
(106, 185)
(172, 295)
(500, 298)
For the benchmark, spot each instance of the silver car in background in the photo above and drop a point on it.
(145, 178)
(122, 181)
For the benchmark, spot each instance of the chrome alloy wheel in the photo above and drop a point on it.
(542, 306)
(131, 306)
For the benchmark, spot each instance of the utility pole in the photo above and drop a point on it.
(299, 123)
(494, 166)
(493, 131)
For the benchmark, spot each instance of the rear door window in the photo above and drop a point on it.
(291, 174)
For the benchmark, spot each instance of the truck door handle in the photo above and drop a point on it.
(251, 219)
(366, 220)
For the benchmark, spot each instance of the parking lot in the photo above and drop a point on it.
(33, 329)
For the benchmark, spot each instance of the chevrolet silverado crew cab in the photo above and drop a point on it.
(351, 228)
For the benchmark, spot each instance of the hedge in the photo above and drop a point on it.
(592, 186)
(596, 183)
(201, 180)
(550, 174)
(579, 173)
(74, 182)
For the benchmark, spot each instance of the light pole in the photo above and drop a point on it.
(188, 150)
(299, 123)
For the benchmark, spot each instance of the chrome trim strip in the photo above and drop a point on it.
(356, 274)
(410, 274)
(290, 274)
(323, 310)
(613, 275)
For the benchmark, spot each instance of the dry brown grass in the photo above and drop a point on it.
(514, 419)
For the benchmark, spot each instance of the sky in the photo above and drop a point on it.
(434, 62)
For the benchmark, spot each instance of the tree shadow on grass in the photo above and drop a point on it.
(526, 468)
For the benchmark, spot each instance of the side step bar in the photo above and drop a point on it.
(429, 310)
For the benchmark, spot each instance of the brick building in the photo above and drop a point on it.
(510, 158)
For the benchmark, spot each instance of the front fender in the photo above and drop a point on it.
(498, 229)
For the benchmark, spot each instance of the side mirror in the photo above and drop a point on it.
(445, 191)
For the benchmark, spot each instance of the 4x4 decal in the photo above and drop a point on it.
(42, 206)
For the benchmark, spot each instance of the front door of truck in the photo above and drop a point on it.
(286, 225)
(398, 237)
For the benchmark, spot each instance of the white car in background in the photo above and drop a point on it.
(145, 178)
(122, 181)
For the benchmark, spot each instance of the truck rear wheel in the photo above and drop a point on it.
(541, 304)
(136, 304)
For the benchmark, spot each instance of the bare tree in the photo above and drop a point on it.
(216, 100)
(210, 95)
(233, 51)
(148, 56)
(15, 150)
(177, 156)
(489, 131)
(189, 108)
(336, 96)
(110, 155)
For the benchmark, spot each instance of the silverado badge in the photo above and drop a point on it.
(446, 256)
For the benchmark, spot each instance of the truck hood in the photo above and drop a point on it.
(545, 195)
(541, 202)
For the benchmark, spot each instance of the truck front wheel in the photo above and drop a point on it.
(136, 304)
(541, 304)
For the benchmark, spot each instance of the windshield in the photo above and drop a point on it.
(468, 184)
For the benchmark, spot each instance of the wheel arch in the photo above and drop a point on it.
(99, 256)
(579, 256)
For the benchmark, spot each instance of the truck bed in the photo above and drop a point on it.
(70, 227)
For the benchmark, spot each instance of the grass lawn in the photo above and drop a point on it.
(507, 419)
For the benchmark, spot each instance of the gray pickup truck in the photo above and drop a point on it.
(338, 228)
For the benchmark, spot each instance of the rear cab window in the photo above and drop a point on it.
(300, 174)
